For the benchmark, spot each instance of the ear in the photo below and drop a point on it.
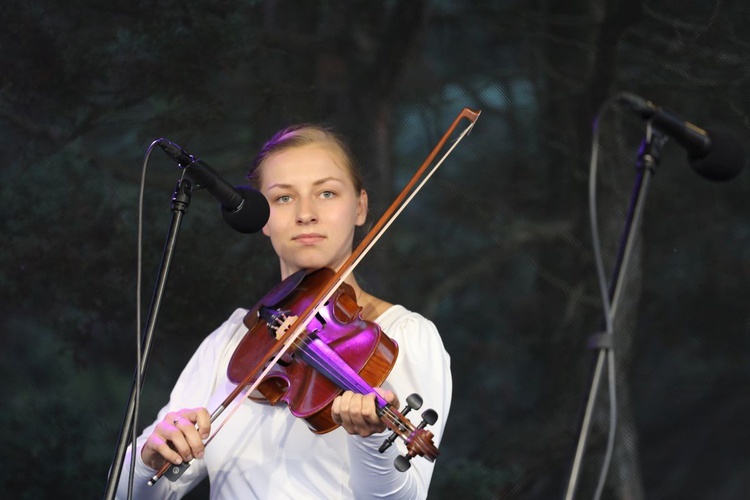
(361, 208)
(265, 230)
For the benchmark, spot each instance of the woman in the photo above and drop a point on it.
(317, 200)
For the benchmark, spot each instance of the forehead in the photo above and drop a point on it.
(300, 164)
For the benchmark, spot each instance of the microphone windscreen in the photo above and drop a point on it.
(724, 160)
(252, 214)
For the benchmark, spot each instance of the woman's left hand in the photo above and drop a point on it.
(357, 413)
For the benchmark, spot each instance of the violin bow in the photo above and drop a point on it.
(291, 335)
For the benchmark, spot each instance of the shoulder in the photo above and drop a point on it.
(219, 344)
(228, 331)
(409, 328)
(423, 363)
(398, 317)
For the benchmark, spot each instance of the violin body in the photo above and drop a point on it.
(309, 394)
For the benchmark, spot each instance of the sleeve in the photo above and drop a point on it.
(422, 367)
(192, 390)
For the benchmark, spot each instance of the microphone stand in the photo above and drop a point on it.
(180, 203)
(648, 158)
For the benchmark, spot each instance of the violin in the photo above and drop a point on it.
(337, 351)
(307, 343)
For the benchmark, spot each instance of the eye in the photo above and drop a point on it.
(284, 198)
(327, 194)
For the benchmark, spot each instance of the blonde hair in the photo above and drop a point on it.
(302, 135)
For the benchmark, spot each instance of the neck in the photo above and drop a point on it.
(372, 307)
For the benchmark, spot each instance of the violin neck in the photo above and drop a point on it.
(325, 360)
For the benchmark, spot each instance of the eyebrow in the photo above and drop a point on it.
(316, 183)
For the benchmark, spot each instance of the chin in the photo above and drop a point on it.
(312, 261)
(311, 264)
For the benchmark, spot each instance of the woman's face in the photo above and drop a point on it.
(314, 208)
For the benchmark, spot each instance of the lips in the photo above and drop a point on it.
(308, 238)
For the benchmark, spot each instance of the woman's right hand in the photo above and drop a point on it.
(177, 438)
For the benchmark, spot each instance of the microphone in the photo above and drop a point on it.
(244, 208)
(716, 154)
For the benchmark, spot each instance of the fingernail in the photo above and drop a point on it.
(189, 458)
(178, 461)
(199, 454)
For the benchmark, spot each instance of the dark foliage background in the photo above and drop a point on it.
(496, 250)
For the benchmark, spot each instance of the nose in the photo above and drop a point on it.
(306, 212)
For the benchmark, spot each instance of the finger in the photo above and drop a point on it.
(345, 403)
(389, 396)
(204, 423)
(189, 423)
(186, 439)
(178, 433)
(336, 410)
(362, 415)
(166, 443)
(200, 419)
(369, 413)
(155, 447)
(154, 454)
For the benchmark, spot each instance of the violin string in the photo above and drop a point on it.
(386, 410)
(300, 344)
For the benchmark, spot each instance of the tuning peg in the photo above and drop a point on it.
(402, 463)
(387, 443)
(413, 402)
(429, 417)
